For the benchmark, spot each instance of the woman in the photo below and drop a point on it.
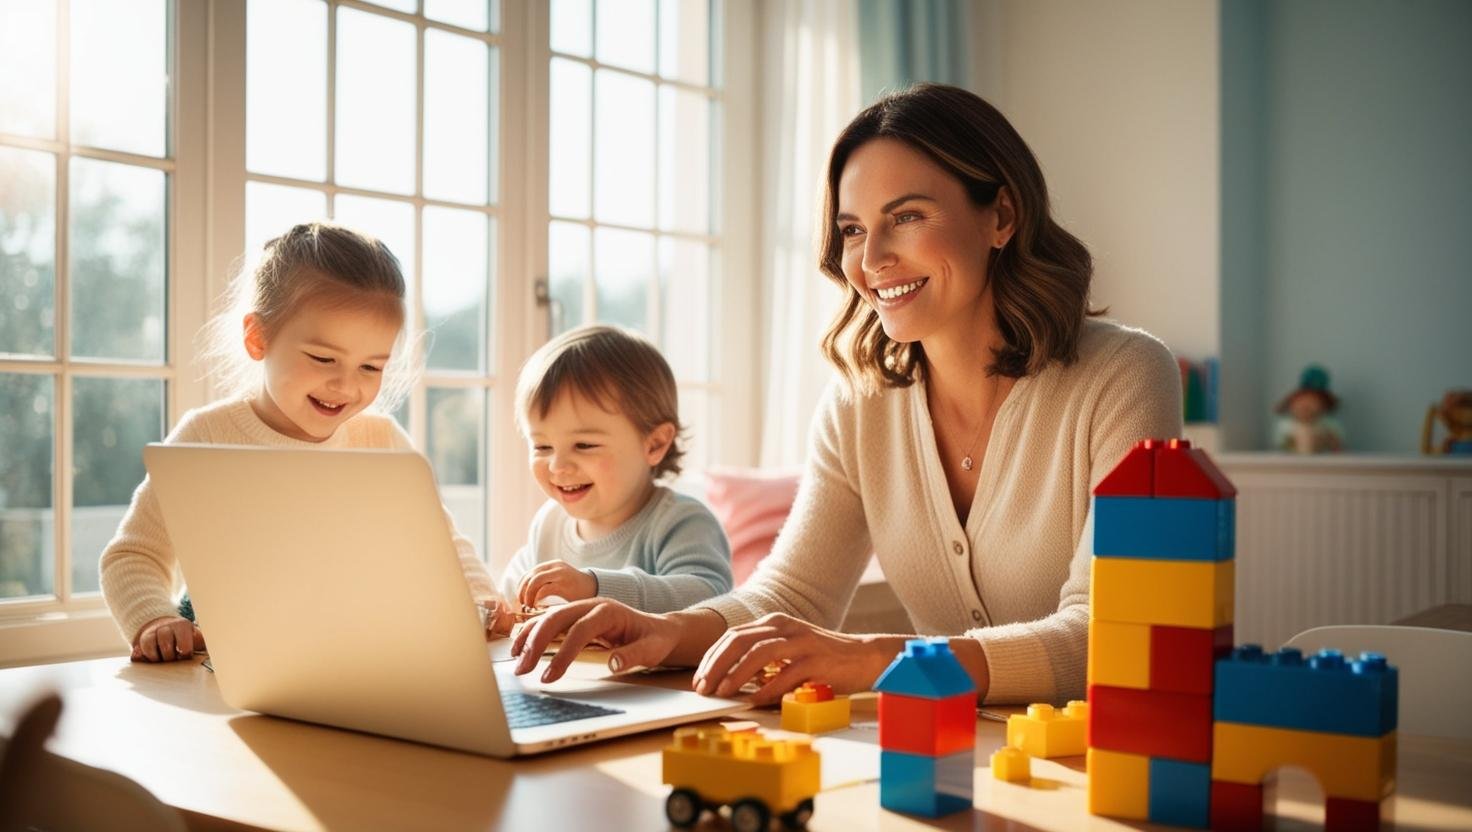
(980, 406)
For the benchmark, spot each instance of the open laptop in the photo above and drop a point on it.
(329, 590)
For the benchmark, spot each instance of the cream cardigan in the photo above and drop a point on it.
(1016, 576)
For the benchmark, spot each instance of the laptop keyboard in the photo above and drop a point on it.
(526, 710)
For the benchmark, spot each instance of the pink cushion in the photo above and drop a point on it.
(752, 504)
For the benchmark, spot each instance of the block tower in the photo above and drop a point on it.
(1160, 617)
(927, 731)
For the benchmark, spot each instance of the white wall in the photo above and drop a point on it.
(1120, 103)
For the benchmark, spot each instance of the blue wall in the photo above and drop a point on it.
(1347, 127)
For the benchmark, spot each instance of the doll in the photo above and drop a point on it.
(1305, 425)
(1455, 412)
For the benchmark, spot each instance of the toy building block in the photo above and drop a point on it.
(1150, 722)
(918, 784)
(711, 767)
(1183, 659)
(1048, 733)
(1236, 806)
(1184, 471)
(927, 726)
(1011, 765)
(1119, 784)
(1134, 476)
(1180, 792)
(1119, 654)
(1164, 528)
(1173, 593)
(1322, 693)
(926, 668)
(1358, 768)
(813, 709)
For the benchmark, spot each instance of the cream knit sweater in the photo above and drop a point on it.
(1016, 576)
(139, 573)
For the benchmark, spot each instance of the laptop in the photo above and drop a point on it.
(330, 591)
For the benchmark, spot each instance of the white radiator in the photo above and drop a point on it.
(1346, 540)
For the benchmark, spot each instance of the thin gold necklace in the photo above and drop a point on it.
(967, 463)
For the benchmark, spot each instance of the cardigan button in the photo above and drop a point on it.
(957, 547)
(976, 615)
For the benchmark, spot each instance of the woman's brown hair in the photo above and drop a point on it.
(1039, 281)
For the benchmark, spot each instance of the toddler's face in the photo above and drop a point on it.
(323, 367)
(594, 463)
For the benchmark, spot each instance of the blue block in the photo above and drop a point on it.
(1324, 692)
(928, 786)
(1180, 792)
(926, 668)
(1165, 528)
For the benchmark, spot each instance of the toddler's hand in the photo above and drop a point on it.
(500, 617)
(556, 577)
(167, 639)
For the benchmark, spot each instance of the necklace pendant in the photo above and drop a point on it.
(966, 463)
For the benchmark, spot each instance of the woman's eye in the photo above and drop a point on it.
(850, 231)
(320, 359)
(908, 216)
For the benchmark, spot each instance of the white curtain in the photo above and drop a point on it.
(810, 91)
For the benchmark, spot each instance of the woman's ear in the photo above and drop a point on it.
(1006, 217)
(255, 336)
(658, 443)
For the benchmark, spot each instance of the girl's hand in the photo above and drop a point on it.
(847, 662)
(639, 639)
(167, 639)
(499, 617)
(556, 577)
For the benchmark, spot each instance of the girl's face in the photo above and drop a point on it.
(324, 366)
(914, 245)
(595, 463)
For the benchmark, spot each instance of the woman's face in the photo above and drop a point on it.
(914, 245)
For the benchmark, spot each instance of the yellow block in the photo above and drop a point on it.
(1047, 733)
(1011, 765)
(1357, 768)
(1119, 654)
(723, 766)
(1178, 593)
(815, 717)
(1119, 784)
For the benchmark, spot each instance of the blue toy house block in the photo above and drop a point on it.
(927, 786)
(1323, 693)
(1180, 792)
(927, 669)
(1164, 528)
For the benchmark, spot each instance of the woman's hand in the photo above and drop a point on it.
(167, 639)
(847, 662)
(555, 577)
(639, 639)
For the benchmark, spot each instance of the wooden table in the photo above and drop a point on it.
(166, 727)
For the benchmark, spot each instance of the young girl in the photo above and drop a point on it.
(598, 406)
(323, 319)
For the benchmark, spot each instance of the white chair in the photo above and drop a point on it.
(1435, 670)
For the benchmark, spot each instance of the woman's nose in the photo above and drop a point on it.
(878, 253)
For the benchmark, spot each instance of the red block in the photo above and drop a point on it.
(1343, 815)
(1236, 807)
(1154, 723)
(932, 727)
(1182, 659)
(1184, 471)
(1134, 476)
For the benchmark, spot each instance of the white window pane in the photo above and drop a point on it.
(626, 34)
(387, 219)
(684, 160)
(120, 75)
(572, 27)
(112, 419)
(375, 102)
(456, 277)
(410, 6)
(27, 252)
(286, 88)
(467, 14)
(117, 261)
(456, 423)
(27, 564)
(698, 415)
(456, 131)
(570, 151)
(28, 67)
(685, 306)
(271, 210)
(684, 40)
(623, 169)
(567, 264)
(623, 269)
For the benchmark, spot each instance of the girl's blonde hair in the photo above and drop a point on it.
(615, 368)
(315, 262)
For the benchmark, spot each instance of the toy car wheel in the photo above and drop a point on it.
(750, 815)
(798, 818)
(682, 808)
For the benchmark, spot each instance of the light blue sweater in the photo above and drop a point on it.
(670, 555)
